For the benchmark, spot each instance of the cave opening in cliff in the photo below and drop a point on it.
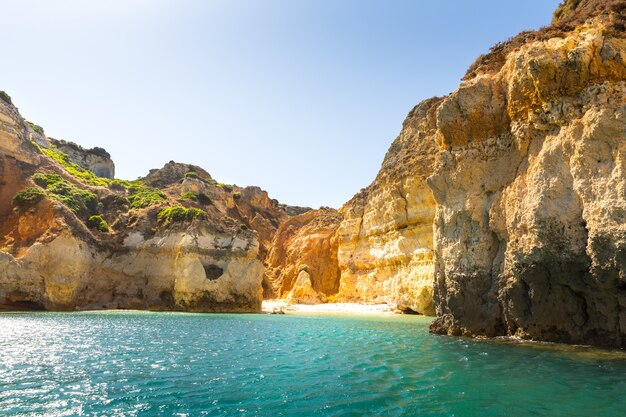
(410, 311)
(213, 272)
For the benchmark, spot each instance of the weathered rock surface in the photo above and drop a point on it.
(303, 292)
(385, 238)
(379, 247)
(96, 160)
(531, 193)
(306, 242)
(205, 256)
(191, 270)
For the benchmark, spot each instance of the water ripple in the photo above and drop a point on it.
(153, 364)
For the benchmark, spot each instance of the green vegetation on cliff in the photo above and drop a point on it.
(27, 198)
(73, 169)
(81, 202)
(188, 196)
(201, 198)
(81, 173)
(35, 127)
(98, 223)
(196, 176)
(226, 187)
(5, 97)
(179, 214)
(141, 197)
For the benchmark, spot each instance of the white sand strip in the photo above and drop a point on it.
(276, 306)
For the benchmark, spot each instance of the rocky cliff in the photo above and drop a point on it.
(72, 238)
(96, 160)
(379, 247)
(385, 237)
(508, 196)
(501, 207)
(304, 249)
(530, 187)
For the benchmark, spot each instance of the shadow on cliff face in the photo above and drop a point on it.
(378, 248)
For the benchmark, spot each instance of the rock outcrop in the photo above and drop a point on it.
(379, 247)
(385, 237)
(96, 160)
(305, 243)
(71, 238)
(192, 269)
(510, 193)
(531, 191)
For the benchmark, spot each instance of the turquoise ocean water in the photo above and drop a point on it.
(176, 364)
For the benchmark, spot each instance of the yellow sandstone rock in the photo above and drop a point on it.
(379, 247)
(531, 194)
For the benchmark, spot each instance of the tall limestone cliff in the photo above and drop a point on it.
(385, 237)
(379, 247)
(530, 186)
(509, 194)
(72, 238)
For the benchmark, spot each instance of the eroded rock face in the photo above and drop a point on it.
(385, 238)
(170, 271)
(308, 243)
(206, 257)
(531, 195)
(97, 160)
(379, 247)
(303, 292)
(14, 135)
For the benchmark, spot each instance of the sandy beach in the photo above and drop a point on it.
(275, 306)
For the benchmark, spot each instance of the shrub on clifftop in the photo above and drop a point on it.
(226, 187)
(35, 127)
(194, 175)
(5, 97)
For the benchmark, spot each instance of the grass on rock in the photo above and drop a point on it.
(98, 223)
(27, 198)
(179, 214)
(141, 197)
(81, 202)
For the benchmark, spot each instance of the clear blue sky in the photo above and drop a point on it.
(302, 98)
